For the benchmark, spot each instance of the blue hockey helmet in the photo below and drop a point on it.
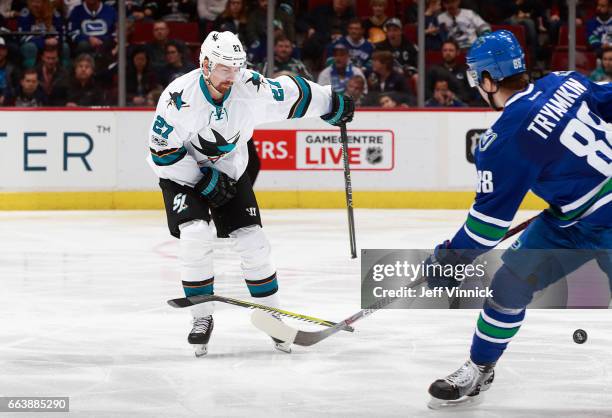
(498, 53)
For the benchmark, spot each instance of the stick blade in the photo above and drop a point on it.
(272, 326)
(180, 303)
(190, 301)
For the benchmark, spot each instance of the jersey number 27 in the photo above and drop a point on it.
(580, 137)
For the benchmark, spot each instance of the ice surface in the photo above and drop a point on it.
(83, 314)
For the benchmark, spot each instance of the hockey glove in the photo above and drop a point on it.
(343, 108)
(216, 187)
(440, 266)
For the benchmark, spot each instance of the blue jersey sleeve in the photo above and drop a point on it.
(601, 98)
(505, 175)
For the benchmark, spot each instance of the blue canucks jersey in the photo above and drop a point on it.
(554, 139)
(83, 23)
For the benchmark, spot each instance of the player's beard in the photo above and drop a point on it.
(221, 87)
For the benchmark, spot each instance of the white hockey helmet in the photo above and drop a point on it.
(222, 48)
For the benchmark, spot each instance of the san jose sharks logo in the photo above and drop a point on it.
(176, 99)
(256, 80)
(217, 149)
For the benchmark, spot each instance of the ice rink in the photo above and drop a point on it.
(83, 314)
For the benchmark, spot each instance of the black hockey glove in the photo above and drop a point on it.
(217, 188)
(343, 108)
(442, 264)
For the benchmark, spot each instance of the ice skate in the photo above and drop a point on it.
(283, 346)
(463, 387)
(200, 334)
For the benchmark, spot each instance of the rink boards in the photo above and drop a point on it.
(95, 159)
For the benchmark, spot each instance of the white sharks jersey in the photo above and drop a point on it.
(191, 131)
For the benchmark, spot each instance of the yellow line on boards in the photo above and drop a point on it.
(266, 199)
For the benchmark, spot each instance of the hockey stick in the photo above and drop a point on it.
(195, 300)
(348, 189)
(284, 332)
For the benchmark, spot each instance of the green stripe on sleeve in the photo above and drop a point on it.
(495, 332)
(491, 232)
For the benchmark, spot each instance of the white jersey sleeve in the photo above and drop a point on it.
(290, 97)
(169, 157)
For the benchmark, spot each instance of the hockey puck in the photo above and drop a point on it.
(580, 336)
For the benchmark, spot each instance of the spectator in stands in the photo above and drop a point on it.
(527, 13)
(257, 51)
(384, 78)
(340, 71)
(176, 64)
(443, 96)
(599, 28)
(435, 33)
(390, 101)
(157, 48)
(559, 16)
(135, 11)
(604, 73)
(173, 10)
(355, 88)
(405, 54)
(257, 20)
(234, 19)
(65, 6)
(52, 77)
(451, 70)
(83, 90)
(39, 16)
(6, 9)
(208, 12)
(373, 25)
(360, 50)
(319, 26)
(90, 25)
(28, 93)
(463, 25)
(284, 61)
(8, 73)
(140, 78)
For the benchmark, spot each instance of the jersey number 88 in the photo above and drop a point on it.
(579, 137)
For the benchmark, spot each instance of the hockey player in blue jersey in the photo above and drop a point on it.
(554, 139)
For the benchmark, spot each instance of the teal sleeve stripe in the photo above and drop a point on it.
(338, 114)
(168, 157)
(212, 184)
(300, 107)
(201, 290)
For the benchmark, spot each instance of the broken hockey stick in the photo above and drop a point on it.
(195, 300)
(284, 332)
(348, 188)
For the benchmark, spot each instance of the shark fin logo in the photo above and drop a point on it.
(256, 80)
(176, 100)
(215, 150)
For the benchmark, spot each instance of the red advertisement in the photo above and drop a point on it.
(322, 149)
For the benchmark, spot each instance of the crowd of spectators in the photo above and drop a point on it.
(64, 52)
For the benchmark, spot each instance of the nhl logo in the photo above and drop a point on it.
(374, 155)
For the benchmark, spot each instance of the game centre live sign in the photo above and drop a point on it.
(322, 149)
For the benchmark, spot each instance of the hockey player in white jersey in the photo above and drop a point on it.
(198, 149)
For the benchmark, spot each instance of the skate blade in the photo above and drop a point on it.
(201, 350)
(284, 347)
(463, 402)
